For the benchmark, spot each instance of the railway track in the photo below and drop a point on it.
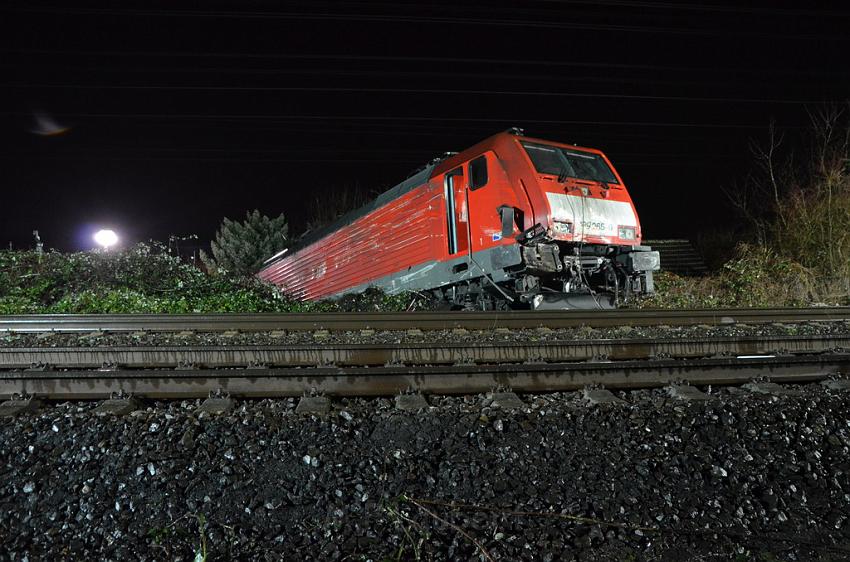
(416, 354)
(444, 367)
(383, 381)
(411, 320)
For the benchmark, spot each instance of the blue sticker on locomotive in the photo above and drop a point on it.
(496, 237)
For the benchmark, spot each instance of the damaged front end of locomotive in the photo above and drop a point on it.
(561, 275)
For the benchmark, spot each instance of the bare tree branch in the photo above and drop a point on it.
(456, 528)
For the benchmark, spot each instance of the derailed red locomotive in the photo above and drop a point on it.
(511, 222)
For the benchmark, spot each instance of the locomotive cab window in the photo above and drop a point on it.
(478, 173)
(569, 163)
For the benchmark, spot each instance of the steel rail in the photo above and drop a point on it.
(410, 320)
(415, 353)
(443, 379)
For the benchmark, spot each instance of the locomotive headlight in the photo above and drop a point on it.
(626, 232)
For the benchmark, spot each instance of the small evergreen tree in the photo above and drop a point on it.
(242, 247)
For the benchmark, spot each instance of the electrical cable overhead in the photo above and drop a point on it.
(334, 89)
(784, 70)
(736, 9)
(400, 118)
(419, 20)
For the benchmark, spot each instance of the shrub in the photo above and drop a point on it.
(146, 279)
(799, 204)
(675, 291)
(15, 304)
(111, 301)
(758, 276)
(812, 224)
(755, 277)
(242, 247)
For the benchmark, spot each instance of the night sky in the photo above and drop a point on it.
(181, 113)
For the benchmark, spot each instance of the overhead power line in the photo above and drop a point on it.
(419, 20)
(684, 6)
(399, 118)
(748, 70)
(323, 151)
(436, 130)
(619, 162)
(466, 75)
(324, 89)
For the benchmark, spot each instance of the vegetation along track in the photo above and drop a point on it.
(179, 370)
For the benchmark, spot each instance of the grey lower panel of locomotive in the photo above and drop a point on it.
(435, 274)
(493, 266)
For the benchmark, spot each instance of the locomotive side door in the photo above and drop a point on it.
(487, 198)
(457, 214)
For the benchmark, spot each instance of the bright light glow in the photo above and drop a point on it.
(106, 238)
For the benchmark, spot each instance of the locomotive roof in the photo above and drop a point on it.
(394, 192)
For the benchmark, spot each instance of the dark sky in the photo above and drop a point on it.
(181, 113)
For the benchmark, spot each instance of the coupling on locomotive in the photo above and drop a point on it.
(512, 222)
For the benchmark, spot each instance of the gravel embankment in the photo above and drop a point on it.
(743, 477)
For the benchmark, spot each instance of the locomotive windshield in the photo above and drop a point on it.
(569, 163)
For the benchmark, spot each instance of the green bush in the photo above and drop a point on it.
(146, 279)
(112, 301)
(674, 291)
(16, 304)
(46, 278)
(755, 277)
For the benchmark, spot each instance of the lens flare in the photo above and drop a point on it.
(106, 238)
(47, 126)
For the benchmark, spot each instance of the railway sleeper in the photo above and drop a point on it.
(766, 387)
(687, 392)
(592, 396)
(506, 400)
(837, 384)
(119, 404)
(313, 405)
(411, 402)
(595, 395)
(219, 402)
(19, 404)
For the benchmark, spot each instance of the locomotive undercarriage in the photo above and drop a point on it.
(560, 275)
(566, 275)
